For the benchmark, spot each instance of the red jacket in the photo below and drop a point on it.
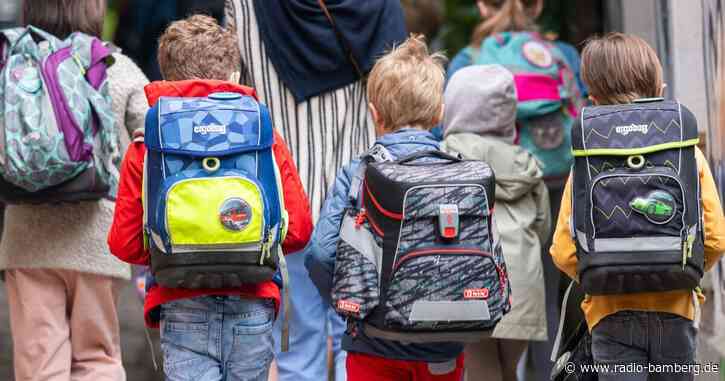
(125, 238)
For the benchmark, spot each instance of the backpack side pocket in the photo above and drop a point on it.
(356, 279)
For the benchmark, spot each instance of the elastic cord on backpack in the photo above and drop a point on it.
(285, 300)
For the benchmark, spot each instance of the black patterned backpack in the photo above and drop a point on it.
(636, 191)
(418, 258)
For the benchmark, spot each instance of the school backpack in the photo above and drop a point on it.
(213, 204)
(547, 92)
(58, 141)
(418, 259)
(636, 215)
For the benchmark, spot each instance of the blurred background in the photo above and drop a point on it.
(688, 35)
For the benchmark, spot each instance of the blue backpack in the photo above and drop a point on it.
(214, 214)
(548, 96)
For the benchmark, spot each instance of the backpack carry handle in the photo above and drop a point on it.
(430, 153)
(30, 30)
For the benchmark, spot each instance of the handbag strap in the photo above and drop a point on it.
(341, 39)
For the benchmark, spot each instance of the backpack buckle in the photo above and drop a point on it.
(448, 221)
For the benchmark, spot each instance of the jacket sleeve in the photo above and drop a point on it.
(321, 251)
(295, 199)
(542, 223)
(125, 239)
(136, 104)
(563, 249)
(712, 214)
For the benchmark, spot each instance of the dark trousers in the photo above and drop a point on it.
(638, 345)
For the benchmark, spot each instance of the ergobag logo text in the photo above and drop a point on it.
(636, 216)
(211, 128)
(625, 130)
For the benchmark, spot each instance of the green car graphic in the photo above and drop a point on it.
(658, 206)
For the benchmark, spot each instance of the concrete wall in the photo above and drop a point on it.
(674, 29)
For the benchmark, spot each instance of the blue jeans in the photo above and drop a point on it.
(307, 356)
(217, 338)
(636, 341)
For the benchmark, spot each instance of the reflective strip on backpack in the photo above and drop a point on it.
(637, 244)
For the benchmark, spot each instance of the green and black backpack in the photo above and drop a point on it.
(636, 211)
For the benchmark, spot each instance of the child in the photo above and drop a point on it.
(405, 90)
(206, 334)
(480, 124)
(640, 328)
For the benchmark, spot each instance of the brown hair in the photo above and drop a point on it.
(619, 68)
(198, 48)
(423, 16)
(406, 85)
(509, 16)
(63, 17)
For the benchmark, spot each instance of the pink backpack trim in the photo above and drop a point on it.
(536, 87)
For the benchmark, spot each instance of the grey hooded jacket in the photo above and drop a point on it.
(479, 125)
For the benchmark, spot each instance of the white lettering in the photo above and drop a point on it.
(211, 128)
(625, 130)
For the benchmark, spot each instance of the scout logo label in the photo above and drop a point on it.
(475, 293)
(235, 214)
(625, 130)
(658, 207)
(347, 306)
(210, 128)
(537, 54)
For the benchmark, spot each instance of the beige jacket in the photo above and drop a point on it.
(523, 221)
(73, 236)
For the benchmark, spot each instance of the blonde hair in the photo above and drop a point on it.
(619, 68)
(406, 85)
(198, 48)
(509, 16)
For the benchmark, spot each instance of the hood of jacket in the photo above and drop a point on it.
(516, 170)
(408, 140)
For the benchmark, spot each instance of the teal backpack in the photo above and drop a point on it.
(548, 96)
(58, 141)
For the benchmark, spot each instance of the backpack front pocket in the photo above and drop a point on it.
(445, 288)
(643, 204)
(219, 212)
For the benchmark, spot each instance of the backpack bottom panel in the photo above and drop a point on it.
(210, 269)
(664, 272)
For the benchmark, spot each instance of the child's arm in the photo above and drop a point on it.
(563, 250)
(321, 251)
(125, 238)
(295, 199)
(712, 214)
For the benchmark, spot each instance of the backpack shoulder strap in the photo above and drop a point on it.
(376, 154)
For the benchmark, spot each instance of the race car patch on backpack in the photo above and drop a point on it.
(635, 205)
(548, 96)
(214, 213)
(417, 259)
(58, 141)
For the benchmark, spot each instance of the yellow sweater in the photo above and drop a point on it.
(678, 302)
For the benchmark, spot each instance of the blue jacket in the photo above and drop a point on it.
(321, 250)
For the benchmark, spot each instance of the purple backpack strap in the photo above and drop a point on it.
(96, 72)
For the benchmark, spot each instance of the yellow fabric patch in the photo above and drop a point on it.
(193, 211)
